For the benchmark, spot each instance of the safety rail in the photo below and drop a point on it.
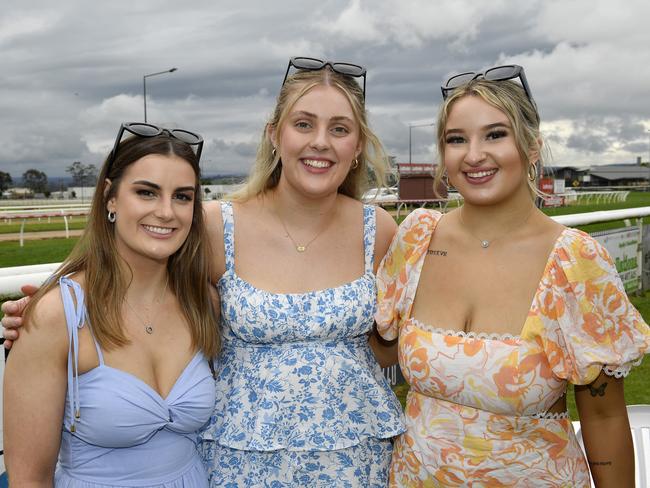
(587, 197)
(40, 213)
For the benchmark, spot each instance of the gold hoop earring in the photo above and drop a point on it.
(273, 152)
(355, 163)
(532, 172)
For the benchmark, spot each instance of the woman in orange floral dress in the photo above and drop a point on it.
(497, 308)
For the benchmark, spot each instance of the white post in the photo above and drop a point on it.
(639, 253)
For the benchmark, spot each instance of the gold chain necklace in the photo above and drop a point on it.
(148, 327)
(300, 247)
(485, 243)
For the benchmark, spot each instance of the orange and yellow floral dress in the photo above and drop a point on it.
(476, 412)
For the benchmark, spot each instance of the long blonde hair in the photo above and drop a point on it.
(372, 161)
(105, 282)
(511, 99)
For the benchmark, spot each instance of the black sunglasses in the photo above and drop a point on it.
(313, 64)
(498, 73)
(142, 129)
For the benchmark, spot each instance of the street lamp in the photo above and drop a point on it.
(648, 131)
(430, 124)
(144, 87)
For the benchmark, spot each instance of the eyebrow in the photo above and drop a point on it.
(485, 128)
(336, 118)
(157, 187)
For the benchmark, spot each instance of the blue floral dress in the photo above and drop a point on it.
(301, 400)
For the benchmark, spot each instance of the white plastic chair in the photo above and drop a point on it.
(639, 416)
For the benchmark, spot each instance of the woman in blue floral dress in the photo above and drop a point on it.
(301, 400)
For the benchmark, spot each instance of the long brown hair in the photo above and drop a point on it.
(105, 282)
(372, 161)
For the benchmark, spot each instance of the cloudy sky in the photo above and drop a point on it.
(72, 70)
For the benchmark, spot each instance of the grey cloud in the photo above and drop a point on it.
(587, 142)
(72, 72)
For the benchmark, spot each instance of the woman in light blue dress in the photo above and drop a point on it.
(110, 376)
(301, 400)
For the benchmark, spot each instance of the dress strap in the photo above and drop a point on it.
(74, 307)
(369, 231)
(228, 234)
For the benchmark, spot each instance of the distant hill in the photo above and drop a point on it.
(56, 183)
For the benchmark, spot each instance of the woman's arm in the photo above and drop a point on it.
(35, 384)
(385, 351)
(214, 226)
(606, 432)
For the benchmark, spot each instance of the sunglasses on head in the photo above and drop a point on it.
(313, 64)
(141, 129)
(498, 73)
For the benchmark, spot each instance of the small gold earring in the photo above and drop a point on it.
(532, 172)
(355, 163)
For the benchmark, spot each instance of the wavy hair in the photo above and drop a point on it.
(511, 99)
(106, 282)
(267, 169)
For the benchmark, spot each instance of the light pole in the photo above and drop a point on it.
(144, 87)
(648, 131)
(430, 124)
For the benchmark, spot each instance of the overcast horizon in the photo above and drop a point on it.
(72, 71)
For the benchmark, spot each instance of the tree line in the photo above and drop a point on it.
(36, 180)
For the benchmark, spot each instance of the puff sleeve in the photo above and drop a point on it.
(396, 281)
(589, 325)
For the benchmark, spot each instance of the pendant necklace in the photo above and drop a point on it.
(485, 243)
(300, 247)
(148, 325)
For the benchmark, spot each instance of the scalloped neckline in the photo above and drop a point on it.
(479, 334)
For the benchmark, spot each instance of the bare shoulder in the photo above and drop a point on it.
(45, 328)
(386, 228)
(386, 225)
(212, 212)
(214, 230)
(547, 228)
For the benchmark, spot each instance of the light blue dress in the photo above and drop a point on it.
(125, 433)
(301, 400)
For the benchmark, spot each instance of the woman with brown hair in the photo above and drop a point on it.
(110, 373)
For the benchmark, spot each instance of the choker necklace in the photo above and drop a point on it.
(148, 326)
(485, 243)
(300, 247)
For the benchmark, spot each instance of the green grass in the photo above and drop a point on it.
(33, 225)
(35, 252)
(634, 199)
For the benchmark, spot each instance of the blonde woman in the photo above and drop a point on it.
(498, 308)
(301, 400)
